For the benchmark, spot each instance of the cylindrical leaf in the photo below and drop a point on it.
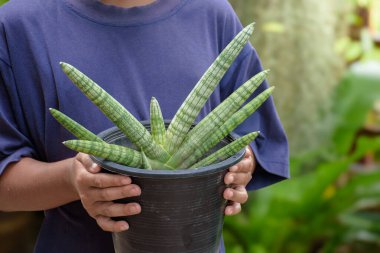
(157, 124)
(194, 102)
(214, 120)
(145, 163)
(228, 150)
(235, 120)
(74, 127)
(120, 116)
(115, 153)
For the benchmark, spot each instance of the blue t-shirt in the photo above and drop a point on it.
(158, 50)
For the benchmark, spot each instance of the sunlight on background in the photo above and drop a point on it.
(324, 57)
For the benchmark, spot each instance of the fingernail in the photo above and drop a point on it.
(124, 227)
(126, 181)
(134, 209)
(234, 168)
(135, 191)
(231, 178)
(93, 167)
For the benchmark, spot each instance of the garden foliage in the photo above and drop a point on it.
(331, 202)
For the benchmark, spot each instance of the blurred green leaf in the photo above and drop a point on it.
(354, 51)
(305, 211)
(353, 99)
(273, 27)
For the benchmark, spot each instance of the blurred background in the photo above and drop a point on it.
(324, 57)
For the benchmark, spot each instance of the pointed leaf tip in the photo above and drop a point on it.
(250, 28)
(65, 66)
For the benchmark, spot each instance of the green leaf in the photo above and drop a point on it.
(227, 151)
(194, 102)
(74, 127)
(115, 153)
(214, 120)
(145, 162)
(157, 124)
(120, 116)
(235, 120)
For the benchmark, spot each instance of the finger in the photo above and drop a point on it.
(252, 155)
(110, 225)
(248, 152)
(232, 209)
(88, 163)
(110, 209)
(114, 193)
(245, 165)
(233, 178)
(239, 194)
(103, 180)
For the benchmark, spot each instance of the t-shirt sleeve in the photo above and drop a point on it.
(14, 144)
(271, 146)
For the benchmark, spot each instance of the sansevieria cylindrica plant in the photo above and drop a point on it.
(179, 146)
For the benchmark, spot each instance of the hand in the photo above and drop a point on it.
(97, 191)
(237, 178)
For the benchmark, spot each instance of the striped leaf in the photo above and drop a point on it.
(157, 165)
(145, 163)
(235, 120)
(227, 151)
(74, 127)
(214, 120)
(120, 116)
(115, 153)
(230, 105)
(194, 102)
(157, 124)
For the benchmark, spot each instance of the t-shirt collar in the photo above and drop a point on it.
(118, 16)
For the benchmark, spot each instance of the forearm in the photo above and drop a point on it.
(31, 185)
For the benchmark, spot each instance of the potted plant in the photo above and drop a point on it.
(179, 165)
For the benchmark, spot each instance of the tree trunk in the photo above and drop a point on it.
(295, 39)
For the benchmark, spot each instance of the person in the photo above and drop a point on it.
(134, 50)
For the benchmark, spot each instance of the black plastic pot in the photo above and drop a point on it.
(182, 210)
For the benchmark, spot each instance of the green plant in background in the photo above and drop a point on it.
(354, 98)
(304, 62)
(324, 210)
(329, 205)
(179, 146)
(3, 2)
(359, 43)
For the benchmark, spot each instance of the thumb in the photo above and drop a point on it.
(88, 163)
(94, 168)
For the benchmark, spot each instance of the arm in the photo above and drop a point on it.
(33, 185)
(30, 185)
